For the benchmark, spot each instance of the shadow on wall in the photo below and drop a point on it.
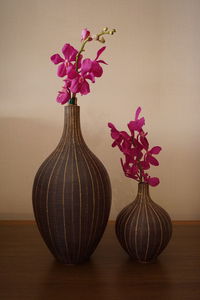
(25, 143)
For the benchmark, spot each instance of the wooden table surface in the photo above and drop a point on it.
(28, 270)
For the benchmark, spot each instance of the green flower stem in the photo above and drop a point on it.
(80, 51)
(105, 31)
(99, 38)
(73, 100)
(140, 171)
(76, 65)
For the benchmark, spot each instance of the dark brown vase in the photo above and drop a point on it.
(72, 196)
(143, 228)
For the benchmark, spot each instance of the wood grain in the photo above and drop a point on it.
(28, 271)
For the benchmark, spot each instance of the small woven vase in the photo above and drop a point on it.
(143, 228)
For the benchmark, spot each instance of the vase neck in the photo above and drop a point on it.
(143, 191)
(72, 127)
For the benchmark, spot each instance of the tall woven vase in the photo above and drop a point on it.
(143, 228)
(72, 196)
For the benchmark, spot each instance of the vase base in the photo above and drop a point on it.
(148, 261)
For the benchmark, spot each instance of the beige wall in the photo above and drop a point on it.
(154, 61)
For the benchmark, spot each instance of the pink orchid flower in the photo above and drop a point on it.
(153, 181)
(150, 158)
(64, 95)
(121, 139)
(80, 85)
(89, 70)
(138, 157)
(92, 67)
(137, 124)
(79, 72)
(115, 134)
(69, 53)
(130, 170)
(78, 80)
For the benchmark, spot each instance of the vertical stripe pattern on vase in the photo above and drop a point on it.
(72, 195)
(143, 228)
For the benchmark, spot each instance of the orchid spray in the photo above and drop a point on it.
(135, 147)
(76, 70)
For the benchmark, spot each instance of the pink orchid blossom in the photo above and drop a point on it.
(78, 80)
(138, 157)
(115, 134)
(137, 124)
(64, 95)
(153, 181)
(96, 69)
(69, 53)
(130, 171)
(92, 68)
(78, 72)
(80, 85)
(150, 158)
(88, 71)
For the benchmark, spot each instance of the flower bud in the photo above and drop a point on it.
(105, 28)
(101, 39)
(112, 31)
(85, 34)
(95, 37)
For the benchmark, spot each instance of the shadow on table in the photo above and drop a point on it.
(83, 281)
(141, 280)
(124, 280)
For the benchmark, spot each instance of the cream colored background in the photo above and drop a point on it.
(154, 61)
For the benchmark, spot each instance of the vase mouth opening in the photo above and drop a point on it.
(71, 105)
(143, 183)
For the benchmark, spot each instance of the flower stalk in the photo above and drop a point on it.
(78, 71)
(135, 147)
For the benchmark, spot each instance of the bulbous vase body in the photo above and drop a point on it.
(71, 195)
(143, 228)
